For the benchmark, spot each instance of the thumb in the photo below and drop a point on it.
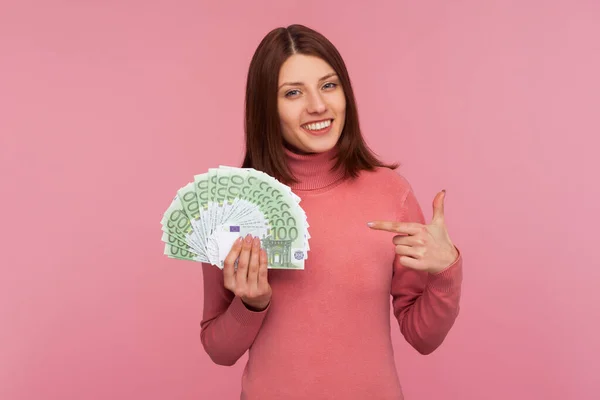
(438, 207)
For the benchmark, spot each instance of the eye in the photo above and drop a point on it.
(292, 93)
(329, 85)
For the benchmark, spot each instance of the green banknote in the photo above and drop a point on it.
(218, 206)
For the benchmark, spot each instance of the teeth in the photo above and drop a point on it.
(318, 126)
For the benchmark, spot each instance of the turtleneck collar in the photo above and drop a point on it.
(313, 171)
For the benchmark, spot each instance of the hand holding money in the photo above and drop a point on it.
(208, 215)
(249, 280)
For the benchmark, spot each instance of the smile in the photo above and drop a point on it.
(318, 126)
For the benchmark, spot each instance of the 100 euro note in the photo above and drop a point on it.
(232, 184)
(285, 241)
(208, 214)
(198, 225)
(180, 239)
(277, 201)
(236, 216)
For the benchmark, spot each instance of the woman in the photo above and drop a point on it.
(324, 332)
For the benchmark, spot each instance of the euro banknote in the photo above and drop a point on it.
(216, 207)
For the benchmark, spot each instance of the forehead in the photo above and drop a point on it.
(303, 68)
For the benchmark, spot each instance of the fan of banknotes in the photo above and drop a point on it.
(207, 215)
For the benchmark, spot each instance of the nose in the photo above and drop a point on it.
(316, 104)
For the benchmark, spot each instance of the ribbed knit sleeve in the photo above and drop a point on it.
(228, 328)
(425, 305)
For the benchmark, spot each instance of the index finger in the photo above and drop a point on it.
(263, 283)
(409, 228)
(228, 265)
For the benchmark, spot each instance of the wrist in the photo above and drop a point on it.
(255, 307)
(451, 260)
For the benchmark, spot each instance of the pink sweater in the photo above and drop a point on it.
(326, 332)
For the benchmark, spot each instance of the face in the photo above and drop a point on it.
(311, 104)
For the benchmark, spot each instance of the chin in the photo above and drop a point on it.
(318, 144)
(322, 147)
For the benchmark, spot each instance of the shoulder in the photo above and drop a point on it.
(382, 189)
(396, 192)
(386, 180)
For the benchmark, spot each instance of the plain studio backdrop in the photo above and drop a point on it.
(108, 107)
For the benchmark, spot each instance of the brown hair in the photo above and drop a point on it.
(264, 140)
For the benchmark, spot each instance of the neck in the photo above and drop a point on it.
(313, 170)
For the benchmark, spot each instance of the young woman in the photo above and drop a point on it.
(324, 332)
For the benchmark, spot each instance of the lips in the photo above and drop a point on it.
(318, 128)
(317, 125)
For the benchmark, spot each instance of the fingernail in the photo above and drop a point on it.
(248, 238)
(370, 224)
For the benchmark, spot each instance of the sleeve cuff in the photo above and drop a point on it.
(245, 316)
(449, 278)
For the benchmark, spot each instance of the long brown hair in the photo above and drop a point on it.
(264, 140)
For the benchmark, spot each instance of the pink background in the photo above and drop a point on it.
(108, 107)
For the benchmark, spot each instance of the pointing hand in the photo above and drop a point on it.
(423, 247)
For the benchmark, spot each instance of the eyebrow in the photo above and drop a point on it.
(300, 83)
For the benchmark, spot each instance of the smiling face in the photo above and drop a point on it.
(311, 104)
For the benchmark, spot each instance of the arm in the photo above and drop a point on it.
(425, 305)
(228, 327)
